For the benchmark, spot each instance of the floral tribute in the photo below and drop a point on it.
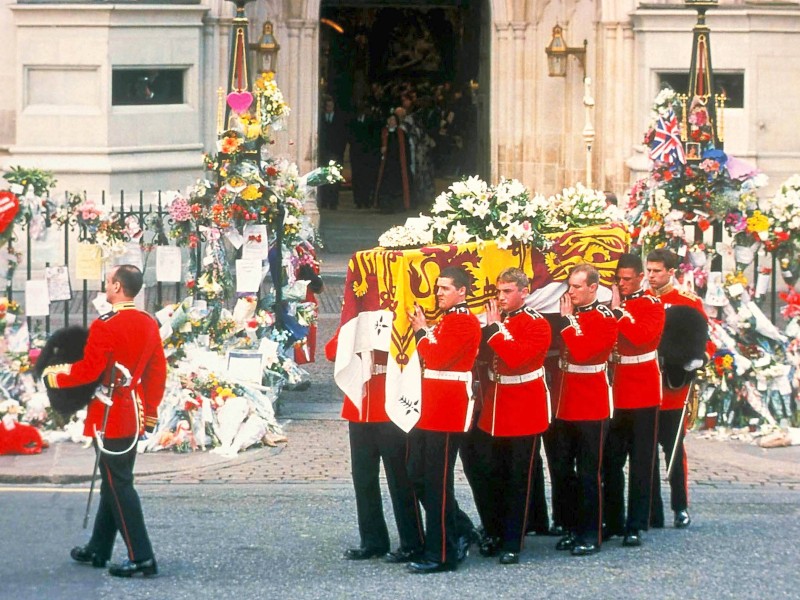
(692, 187)
(471, 210)
(247, 202)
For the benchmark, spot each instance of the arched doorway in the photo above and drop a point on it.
(432, 58)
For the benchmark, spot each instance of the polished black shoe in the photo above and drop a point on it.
(363, 553)
(509, 558)
(489, 546)
(428, 566)
(566, 543)
(584, 549)
(129, 568)
(463, 547)
(83, 554)
(632, 539)
(403, 556)
(682, 519)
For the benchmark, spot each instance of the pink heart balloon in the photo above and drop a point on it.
(240, 101)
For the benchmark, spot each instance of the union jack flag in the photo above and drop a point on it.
(666, 145)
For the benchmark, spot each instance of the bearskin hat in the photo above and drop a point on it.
(65, 346)
(683, 343)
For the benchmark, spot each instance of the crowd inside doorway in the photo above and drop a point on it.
(399, 137)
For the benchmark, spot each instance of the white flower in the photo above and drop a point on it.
(441, 204)
(481, 209)
(476, 185)
(459, 234)
(503, 241)
(468, 205)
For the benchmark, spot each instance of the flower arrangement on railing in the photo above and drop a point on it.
(783, 235)
(9, 313)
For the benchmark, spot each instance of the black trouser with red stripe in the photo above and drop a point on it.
(369, 444)
(431, 464)
(670, 425)
(632, 433)
(577, 476)
(120, 509)
(512, 461)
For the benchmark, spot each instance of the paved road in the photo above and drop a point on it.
(285, 541)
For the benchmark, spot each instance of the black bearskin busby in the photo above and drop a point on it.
(683, 344)
(65, 346)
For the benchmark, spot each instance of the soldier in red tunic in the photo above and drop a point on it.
(448, 352)
(583, 407)
(124, 339)
(661, 265)
(374, 438)
(637, 396)
(515, 412)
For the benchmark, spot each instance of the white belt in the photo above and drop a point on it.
(568, 367)
(514, 379)
(378, 369)
(636, 359)
(447, 375)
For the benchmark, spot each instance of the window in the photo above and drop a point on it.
(731, 83)
(147, 86)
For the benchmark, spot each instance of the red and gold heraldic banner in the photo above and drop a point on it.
(383, 285)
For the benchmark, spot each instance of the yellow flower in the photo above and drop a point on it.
(757, 222)
(727, 361)
(251, 192)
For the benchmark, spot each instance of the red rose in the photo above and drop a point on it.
(703, 224)
(271, 171)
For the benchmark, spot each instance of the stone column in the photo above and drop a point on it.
(302, 94)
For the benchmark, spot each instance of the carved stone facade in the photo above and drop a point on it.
(57, 113)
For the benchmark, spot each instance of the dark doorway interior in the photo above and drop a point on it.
(424, 58)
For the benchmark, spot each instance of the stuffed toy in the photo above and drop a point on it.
(19, 438)
(683, 345)
(65, 346)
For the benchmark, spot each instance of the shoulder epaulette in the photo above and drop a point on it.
(532, 312)
(688, 294)
(652, 299)
(108, 315)
(459, 310)
(605, 311)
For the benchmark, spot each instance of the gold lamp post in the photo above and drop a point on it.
(558, 51)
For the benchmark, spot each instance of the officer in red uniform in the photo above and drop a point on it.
(447, 352)
(374, 438)
(661, 265)
(515, 412)
(589, 333)
(124, 339)
(637, 395)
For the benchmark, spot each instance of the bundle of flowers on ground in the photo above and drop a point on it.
(749, 376)
(202, 410)
(471, 210)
